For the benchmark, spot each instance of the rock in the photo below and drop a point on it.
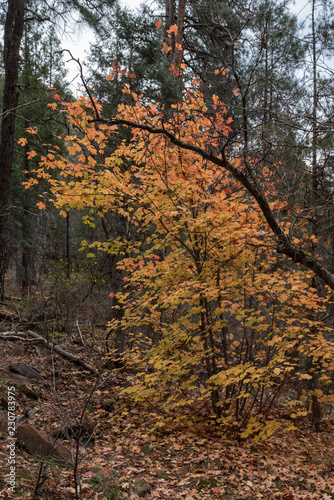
(37, 443)
(26, 415)
(3, 399)
(27, 391)
(38, 351)
(25, 371)
(19, 378)
(3, 423)
(3, 403)
(108, 405)
(141, 487)
(74, 430)
(22, 385)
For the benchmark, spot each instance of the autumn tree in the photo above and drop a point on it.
(210, 312)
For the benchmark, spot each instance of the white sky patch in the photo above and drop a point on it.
(301, 7)
(78, 43)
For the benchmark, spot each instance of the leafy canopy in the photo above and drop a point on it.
(212, 316)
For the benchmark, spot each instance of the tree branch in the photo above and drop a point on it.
(248, 180)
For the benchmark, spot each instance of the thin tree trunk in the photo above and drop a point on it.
(314, 382)
(12, 39)
(28, 227)
(315, 169)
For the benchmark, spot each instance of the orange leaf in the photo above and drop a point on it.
(23, 141)
(31, 130)
(166, 48)
(158, 24)
(173, 29)
(223, 71)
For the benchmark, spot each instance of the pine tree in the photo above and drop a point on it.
(17, 13)
(131, 41)
(42, 69)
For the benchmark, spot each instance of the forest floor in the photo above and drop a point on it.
(126, 455)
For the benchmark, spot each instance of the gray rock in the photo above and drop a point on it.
(141, 487)
(108, 405)
(25, 371)
(22, 386)
(15, 377)
(74, 430)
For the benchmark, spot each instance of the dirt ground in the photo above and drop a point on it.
(58, 397)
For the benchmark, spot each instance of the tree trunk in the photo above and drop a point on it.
(12, 39)
(315, 168)
(175, 55)
(315, 382)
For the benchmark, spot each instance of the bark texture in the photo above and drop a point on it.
(175, 55)
(12, 40)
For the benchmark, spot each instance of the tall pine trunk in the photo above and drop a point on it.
(12, 39)
(316, 187)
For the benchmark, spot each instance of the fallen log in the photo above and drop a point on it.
(12, 336)
(67, 355)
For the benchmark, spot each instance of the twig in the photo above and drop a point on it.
(82, 340)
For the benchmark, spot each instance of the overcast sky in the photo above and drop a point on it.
(78, 43)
